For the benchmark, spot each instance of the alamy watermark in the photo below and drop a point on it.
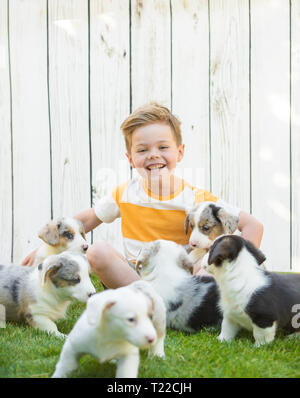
(296, 318)
(2, 316)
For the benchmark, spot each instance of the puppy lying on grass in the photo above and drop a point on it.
(191, 301)
(251, 298)
(41, 295)
(113, 326)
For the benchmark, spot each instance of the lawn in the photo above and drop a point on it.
(25, 352)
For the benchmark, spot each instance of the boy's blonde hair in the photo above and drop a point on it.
(148, 114)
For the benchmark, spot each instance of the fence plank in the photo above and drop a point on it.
(229, 69)
(68, 59)
(295, 130)
(5, 147)
(28, 48)
(270, 127)
(190, 86)
(151, 62)
(110, 97)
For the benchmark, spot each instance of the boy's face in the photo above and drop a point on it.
(154, 152)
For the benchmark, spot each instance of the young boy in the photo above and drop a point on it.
(151, 206)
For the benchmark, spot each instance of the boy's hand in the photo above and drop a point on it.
(29, 260)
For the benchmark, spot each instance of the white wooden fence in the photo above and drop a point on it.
(72, 70)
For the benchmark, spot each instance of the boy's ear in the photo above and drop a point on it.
(180, 152)
(129, 157)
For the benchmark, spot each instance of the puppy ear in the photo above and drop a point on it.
(186, 263)
(224, 248)
(49, 270)
(49, 234)
(257, 254)
(215, 258)
(186, 224)
(229, 221)
(96, 307)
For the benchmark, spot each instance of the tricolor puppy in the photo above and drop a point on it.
(61, 235)
(207, 221)
(191, 301)
(41, 295)
(115, 324)
(251, 298)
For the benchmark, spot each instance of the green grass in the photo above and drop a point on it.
(25, 352)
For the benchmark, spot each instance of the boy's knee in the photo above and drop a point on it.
(98, 254)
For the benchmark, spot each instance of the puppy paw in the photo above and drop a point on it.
(60, 335)
(295, 335)
(156, 353)
(223, 338)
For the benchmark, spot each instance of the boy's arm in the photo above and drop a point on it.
(88, 219)
(250, 228)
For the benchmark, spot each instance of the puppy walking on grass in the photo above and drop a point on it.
(115, 324)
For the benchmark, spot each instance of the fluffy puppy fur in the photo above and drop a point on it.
(40, 295)
(115, 324)
(251, 298)
(207, 221)
(191, 301)
(60, 235)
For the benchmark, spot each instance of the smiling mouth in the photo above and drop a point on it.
(155, 166)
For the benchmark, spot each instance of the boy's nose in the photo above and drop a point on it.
(153, 154)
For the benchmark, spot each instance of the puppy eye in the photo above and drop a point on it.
(76, 280)
(68, 235)
(192, 226)
(131, 320)
(205, 228)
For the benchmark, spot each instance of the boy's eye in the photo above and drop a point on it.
(141, 150)
(163, 147)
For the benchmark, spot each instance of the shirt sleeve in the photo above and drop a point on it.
(106, 209)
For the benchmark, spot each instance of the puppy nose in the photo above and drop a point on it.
(85, 247)
(193, 244)
(91, 294)
(150, 339)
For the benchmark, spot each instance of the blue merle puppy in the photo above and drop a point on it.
(191, 301)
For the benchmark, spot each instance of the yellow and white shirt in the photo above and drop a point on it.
(146, 217)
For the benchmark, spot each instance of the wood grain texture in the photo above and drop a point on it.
(110, 103)
(5, 147)
(190, 86)
(151, 62)
(230, 161)
(68, 81)
(295, 132)
(28, 49)
(270, 127)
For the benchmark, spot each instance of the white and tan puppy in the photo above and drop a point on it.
(115, 324)
(208, 221)
(63, 234)
(191, 301)
(41, 295)
(251, 298)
